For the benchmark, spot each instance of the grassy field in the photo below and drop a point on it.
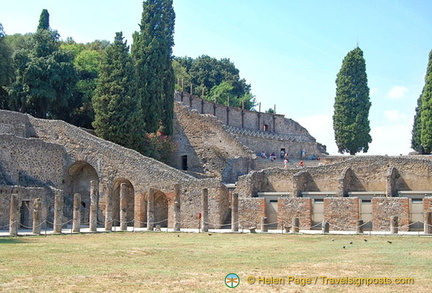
(188, 262)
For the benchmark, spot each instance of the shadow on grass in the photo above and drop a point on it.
(10, 240)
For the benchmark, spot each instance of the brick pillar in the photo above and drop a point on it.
(427, 223)
(264, 226)
(360, 226)
(150, 210)
(14, 215)
(76, 217)
(108, 211)
(391, 182)
(394, 224)
(177, 218)
(325, 227)
(58, 213)
(139, 214)
(234, 213)
(295, 225)
(205, 217)
(123, 207)
(93, 206)
(37, 215)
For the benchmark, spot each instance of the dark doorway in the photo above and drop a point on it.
(184, 163)
(265, 127)
(25, 214)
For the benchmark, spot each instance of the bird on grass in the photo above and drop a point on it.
(333, 239)
(389, 242)
(365, 240)
(343, 247)
(351, 242)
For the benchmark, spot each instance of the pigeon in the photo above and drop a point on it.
(365, 240)
(389, 241)
(333, 239)
(351, 242)
(343, 247)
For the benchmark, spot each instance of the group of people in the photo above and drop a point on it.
(285, 157)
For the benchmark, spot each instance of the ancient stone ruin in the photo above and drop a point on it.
(55, 175)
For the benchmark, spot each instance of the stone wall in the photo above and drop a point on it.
(208, 147)
(31, 162)
(289, 208)
(258, 131)
(342, 213)
(67, 158)
(251, 211)
(427, 204)
(384, 208)
(411, 173)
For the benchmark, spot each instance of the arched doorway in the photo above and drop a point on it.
(81, 174)
(116, 205)
(161, 209)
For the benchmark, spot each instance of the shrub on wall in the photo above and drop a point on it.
(162, 147)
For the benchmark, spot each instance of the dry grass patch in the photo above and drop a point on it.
(187, 262)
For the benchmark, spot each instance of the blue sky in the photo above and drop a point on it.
(289, 51)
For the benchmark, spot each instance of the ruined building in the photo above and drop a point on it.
(59, 169)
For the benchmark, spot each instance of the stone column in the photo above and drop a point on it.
(264, 226)
(427, 223)
(139, 214)
(295, 225)
(177, 218)
(76, 217)
(14, 215)
(204, 219)
(93, 206)
(234, 213)
(359, 227)
(325, 227)
(123, 207)
(150, 210)
(58, 213)
(391, 182)
(109, 211)
(394, 224)
(37, 214)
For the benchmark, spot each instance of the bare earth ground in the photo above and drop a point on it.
(191, 262)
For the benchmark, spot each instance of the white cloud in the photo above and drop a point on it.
(391, 140)
(394, 116)
(321, 127)
(397, 92)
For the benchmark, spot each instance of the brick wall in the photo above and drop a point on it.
(383, 208)
(289, 208)
(342, 213)
(251, 211)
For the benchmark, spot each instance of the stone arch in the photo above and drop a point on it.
(348, 181)
(130, 201)
(81, 173)
(160, 208)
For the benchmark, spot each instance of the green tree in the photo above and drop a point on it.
(6, 69)
(45, 76)
(426, 109)
(118, 116)
(209, 75)
(152, 54)
(352, 104)
(416, 132)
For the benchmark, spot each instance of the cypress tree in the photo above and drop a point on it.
(118, 116)
(352, 104)
(416, 132)
(152, 54)
(426, 109)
